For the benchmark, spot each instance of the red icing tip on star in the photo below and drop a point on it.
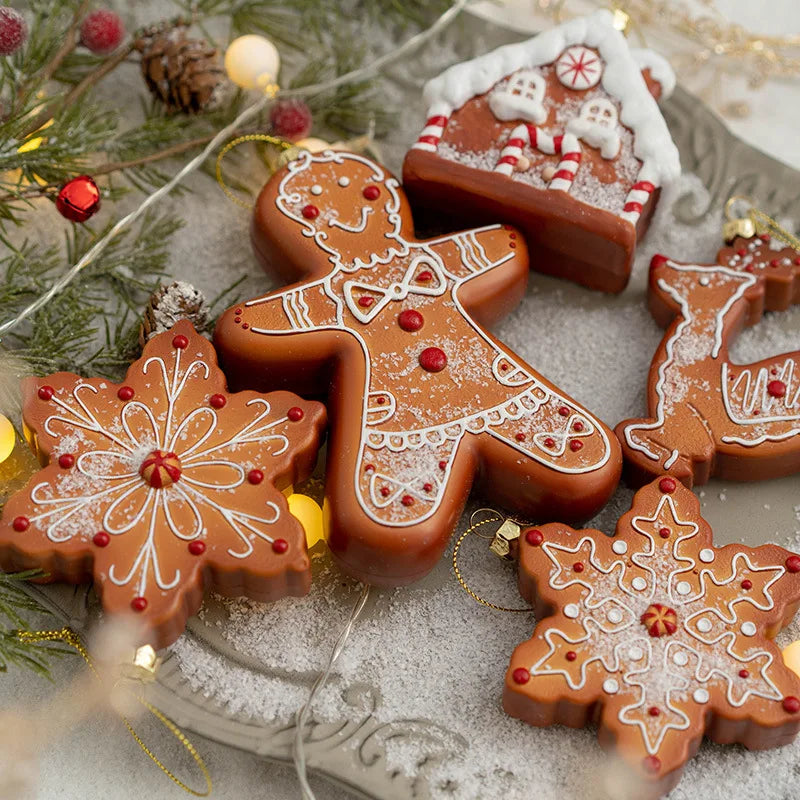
(125, 393)
(658, 261)
(410, 320)
(534, 537)
(280, 546)
(197, 547)
(433, 359)
(371, 192)
(407, 500)
(667, 485)
(369, 468)
(66, 461)
(255, 476)
(46, 392)
(520, 675)
(791, 705)
(747, 584)
(217, 400)
(575, 445)
(776, 388)
(793, 563)
(180, 342)
(651, 764)
(310, 211)
(101, 539)
(139, 603)
(20, 524)
(295, 414)
(570, 655)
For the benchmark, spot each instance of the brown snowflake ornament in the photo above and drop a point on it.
(658, 635)
(164, 485)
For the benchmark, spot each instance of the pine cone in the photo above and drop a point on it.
(170, 303)
(183, 73)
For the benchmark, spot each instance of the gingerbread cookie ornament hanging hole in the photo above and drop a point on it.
(422, 398)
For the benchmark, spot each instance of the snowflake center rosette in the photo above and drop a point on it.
(658, 627)
(168, 481)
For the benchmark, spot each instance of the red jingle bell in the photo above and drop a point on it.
(78, 199)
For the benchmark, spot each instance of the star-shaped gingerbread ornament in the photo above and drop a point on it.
(163, 486)
(658, 635)
(422, 398)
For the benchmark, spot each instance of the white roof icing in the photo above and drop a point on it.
(622, 80)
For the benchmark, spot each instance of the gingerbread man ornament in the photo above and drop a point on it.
(422, 398)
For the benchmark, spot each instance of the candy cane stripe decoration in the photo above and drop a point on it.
(637, 199)
(434, 128)
(566, 146)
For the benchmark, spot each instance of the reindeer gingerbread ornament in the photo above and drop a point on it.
(422, 397)
(709, 416)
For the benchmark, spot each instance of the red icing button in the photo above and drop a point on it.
(125, 393)
(570, 655)
(652, 764)
(425, 276)
(427, 487)
(664, 533)
(365, 301)
(310, 212)
(660, 620)
(46, 392)
(520, 437)
(534, 537)
(442, 465)
(776, 388)
(255, 476)
(741, 252)
(667, 485)
(197, 547)
(101, 539)
(793, 563)
(161, 469)
(747, 584)
(21, 524)
(575, 445)
(578, 426)
(384, 491)
(295, 414)
(66, 461)
(407, 500)
(280, 546)
(743, 673)
(410, 320)
(521, 675)
(371, 192)
(181, 343)
(654, 711)
(577, 567)
(549, 442)
(564, 411)
(217, 400)
(791, 704)
(432, 359)
(369, 468)
(139, 603)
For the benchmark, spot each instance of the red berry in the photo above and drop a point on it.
(410, 320)
(534, 537)
(521, 675)
(433, 359)
(180, 342)
(46, 392)
(280, 546)
(102, 31)
(139, 603)
(667, 485)
(13, 31)
(21, 524)
(101, 539)
(197, 547)
(255, 476)
(125, 393)
(793, 563)
(291, 119)
(295, 414)
(78, 199)
(217, 400)
(791, 704)
(66, 460)
(371, 192)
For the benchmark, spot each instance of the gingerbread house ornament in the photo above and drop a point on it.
(560, 135)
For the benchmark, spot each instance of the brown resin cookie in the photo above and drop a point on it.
(559, 135)
(422, 398)
(162, 486)
(709, 416)
(658, 636)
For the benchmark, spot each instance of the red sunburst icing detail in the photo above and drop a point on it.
(579, 68)
(660, 620)
(160, 469)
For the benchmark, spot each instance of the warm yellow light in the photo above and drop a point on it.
(31, 144)
(791, 657)
(310, 516)
(252, 62)
(8, 438)
(313, 144)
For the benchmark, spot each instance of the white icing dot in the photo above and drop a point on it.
(748, 628)
(683, 587)
(610, 686)
(680, 658)
(620, 547)
(707, 555)
(316, 189)
(615, 615)
(571, 610)
(700, 696)
(344, 181)
(704, 281)
(639, 583)
(636, 654)
(704, 625)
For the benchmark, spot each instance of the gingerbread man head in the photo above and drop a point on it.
(339, 200)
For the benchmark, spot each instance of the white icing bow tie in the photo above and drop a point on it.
(423, 276)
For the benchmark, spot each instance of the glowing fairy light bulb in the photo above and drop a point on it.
(310, 516)
(8, 439)
(791, 657)
(252, 62)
